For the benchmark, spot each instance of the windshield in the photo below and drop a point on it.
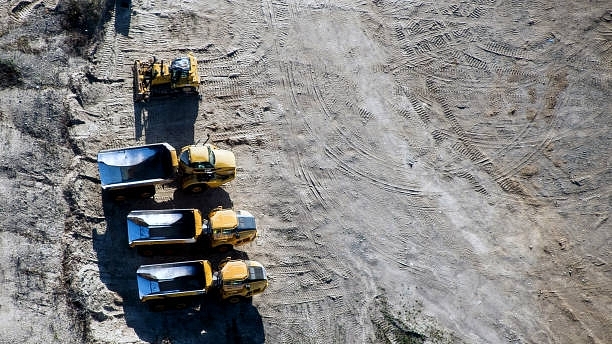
(186, 159)
(211, 156)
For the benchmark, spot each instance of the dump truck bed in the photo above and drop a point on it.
(167, 226)
(137, 166)
(161, 281)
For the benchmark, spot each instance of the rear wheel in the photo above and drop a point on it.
(157, 306)
(145, 251)
(147, 192)
(119, 198)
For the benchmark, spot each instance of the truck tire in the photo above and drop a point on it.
(145, 251)
(147, 192)
(195, 188)
(157, 306)
(224, 248)
(234, 300)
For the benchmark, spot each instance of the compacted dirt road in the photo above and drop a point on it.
(421, 172)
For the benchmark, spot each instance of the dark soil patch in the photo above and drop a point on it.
(9, 74)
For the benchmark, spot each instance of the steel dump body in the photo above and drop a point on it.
(168, 226)
(137, 166)
(170, 280)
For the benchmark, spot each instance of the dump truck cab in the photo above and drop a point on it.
(163, 282)
(228, 228)
(162, 78)
(241, 279)
(205, 166)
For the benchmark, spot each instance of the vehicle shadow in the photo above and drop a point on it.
(208, 320)
(170, 119)
(123, 16)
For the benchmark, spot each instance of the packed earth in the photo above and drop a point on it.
(420, 171)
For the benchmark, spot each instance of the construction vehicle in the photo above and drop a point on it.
(158, 78)
(178, 284)
(169, 230)
(134, 171)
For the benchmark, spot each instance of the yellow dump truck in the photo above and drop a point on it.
(168, 231)
(134, 171)
(157, 78)
(176, 285)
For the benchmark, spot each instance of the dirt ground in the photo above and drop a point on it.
(421, 172)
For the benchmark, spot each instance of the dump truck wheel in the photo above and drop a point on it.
(195, 188)
(157, 307)
(147, 192)
(234, 300)
(147, 252)
(224, 248)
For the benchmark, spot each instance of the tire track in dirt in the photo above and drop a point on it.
(527, 137)
(548, 111)
(334, 110)
(324, 324)
(437, 40)
(21, 10)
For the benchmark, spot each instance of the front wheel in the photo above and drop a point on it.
(223, 248)
(195, 188)
(234, 300)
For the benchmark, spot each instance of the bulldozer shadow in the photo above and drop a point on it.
(169, 119)
(123, 17)
(203, 320)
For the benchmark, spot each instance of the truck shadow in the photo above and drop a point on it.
(209, 320)
(170, 119)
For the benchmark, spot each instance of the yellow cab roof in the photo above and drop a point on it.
(198, 153)
(224, 219)
(235, 270)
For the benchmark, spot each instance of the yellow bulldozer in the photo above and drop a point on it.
(155, 78)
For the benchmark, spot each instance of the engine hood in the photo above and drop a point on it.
(224, 159)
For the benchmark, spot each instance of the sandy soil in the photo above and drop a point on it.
(421, 172)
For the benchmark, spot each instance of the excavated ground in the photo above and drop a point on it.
(421, 172)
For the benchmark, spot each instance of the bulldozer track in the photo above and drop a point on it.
(505, 50)
(23, 9)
